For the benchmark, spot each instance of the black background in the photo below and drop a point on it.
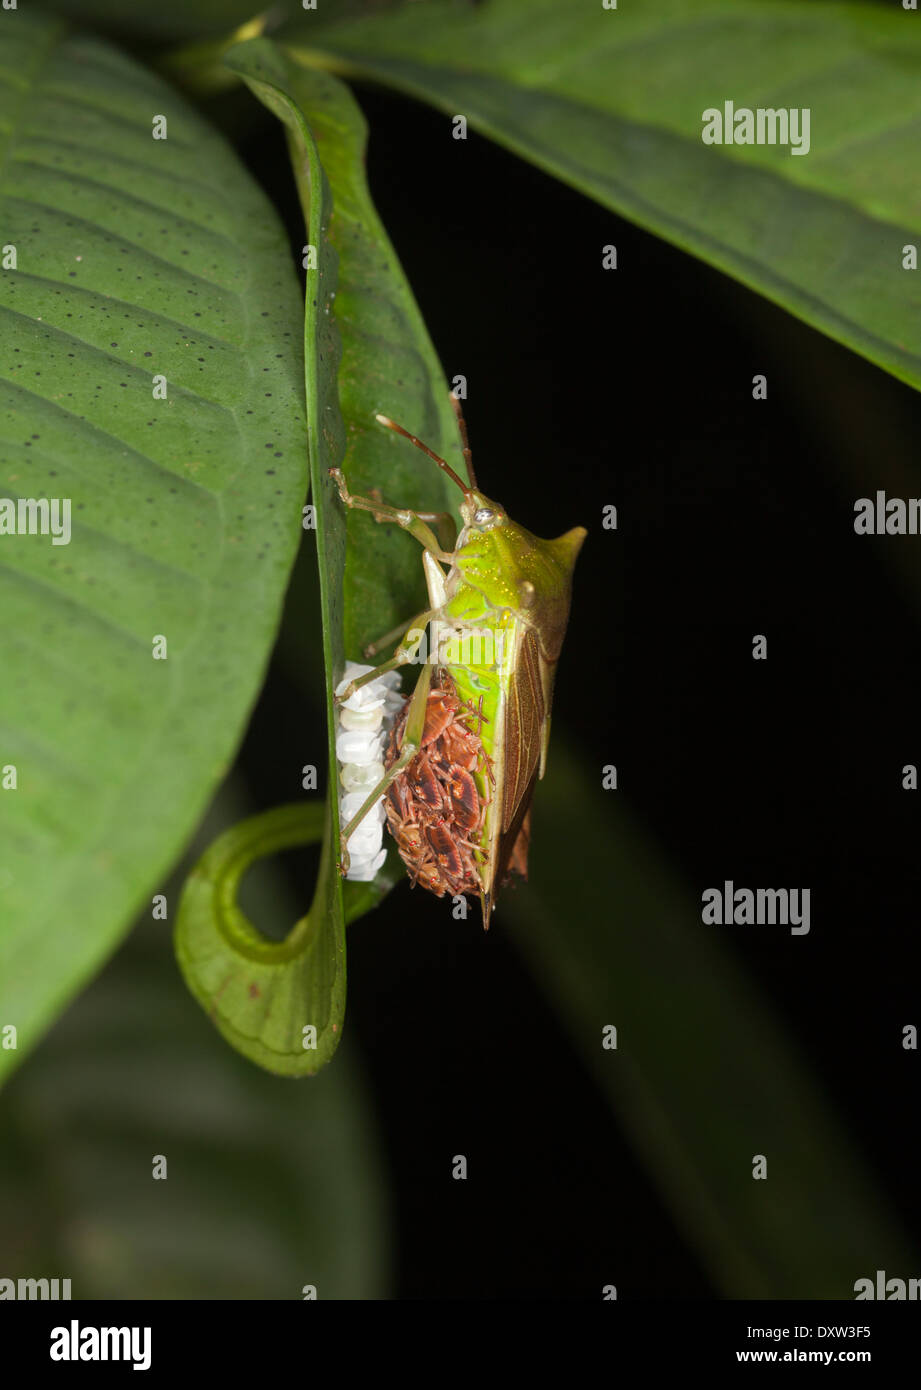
(634, 387)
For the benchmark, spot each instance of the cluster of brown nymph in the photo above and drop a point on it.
(434, 810)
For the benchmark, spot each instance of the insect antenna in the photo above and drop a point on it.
(462, 427)
(392, 425)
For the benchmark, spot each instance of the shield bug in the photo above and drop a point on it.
(498, 609)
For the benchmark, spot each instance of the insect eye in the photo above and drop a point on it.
(482, 515)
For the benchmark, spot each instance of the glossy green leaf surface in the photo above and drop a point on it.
(143, 266)
(612, 101)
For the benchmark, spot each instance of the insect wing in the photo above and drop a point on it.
(523, 731)
(523, 717)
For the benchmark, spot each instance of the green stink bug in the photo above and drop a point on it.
(498, 619)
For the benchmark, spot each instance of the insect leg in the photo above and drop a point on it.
(413, 522)
(444, 524)
(412, 741)
(405, 653)
(373, 647)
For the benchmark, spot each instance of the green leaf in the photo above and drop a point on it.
(387, 364)
(135, 257)
(612, 101)
(703, 1076)
(269, 1186)
(260, 994)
